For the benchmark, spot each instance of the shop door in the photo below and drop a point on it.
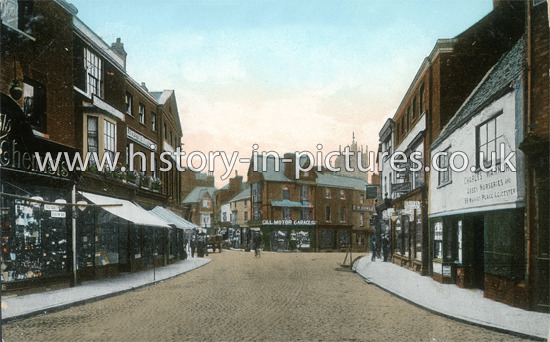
(478, 264)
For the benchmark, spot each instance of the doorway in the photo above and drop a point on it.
(478, 262)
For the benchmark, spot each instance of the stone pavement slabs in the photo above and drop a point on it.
(465, 305)
(18, 307)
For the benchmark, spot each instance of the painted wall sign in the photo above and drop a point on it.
(141, 139)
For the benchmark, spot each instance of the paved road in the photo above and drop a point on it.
(278, 297)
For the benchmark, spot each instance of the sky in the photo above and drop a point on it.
(285, 75)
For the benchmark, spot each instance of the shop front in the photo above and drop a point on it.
(120, 237)
(36, 247)
(408, 235)
(280, 236)
(334, 237)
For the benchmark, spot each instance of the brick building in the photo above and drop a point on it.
(76, 93)
(318, 211)
(444, 80)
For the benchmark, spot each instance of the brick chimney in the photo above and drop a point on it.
(235, 184)
(118, 48)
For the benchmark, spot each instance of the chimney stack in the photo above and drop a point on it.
(118, 48)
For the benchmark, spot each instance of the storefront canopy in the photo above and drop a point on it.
(128, 211)
(173, 218)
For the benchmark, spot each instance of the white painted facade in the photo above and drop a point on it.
(473, 191)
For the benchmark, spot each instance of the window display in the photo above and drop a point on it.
(34, 238)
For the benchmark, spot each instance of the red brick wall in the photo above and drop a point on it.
(39, 60)
(540, 83)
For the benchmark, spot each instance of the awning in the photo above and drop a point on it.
(128, 211)
(172, 218)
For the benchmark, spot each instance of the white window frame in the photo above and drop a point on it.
(94, 73)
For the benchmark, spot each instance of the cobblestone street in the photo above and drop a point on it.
(237, 297)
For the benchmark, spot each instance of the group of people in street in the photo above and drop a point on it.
(380, 247)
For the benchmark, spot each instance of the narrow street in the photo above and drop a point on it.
(237, 297)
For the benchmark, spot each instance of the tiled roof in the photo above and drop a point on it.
(505, 71)
(195, 195)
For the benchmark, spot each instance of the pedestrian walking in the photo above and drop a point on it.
(386, 246)
(193, 246)
(373, 249)
(257, 242)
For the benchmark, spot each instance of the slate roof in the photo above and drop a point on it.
(505, 71)
(270, 174)
(338, 181)
(195, 195)
(241, 195)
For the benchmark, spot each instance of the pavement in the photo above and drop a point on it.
(444, 299)
(20, 307)
(465, 305)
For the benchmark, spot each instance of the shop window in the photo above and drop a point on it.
(34, 104)
(444, 177)
(327, 238)
(257, 214)
(343, 214)
(153, 121)
(286, 213)
(94, 71)
(328, 215)
(406, 234)
(438, 240)
(490, 136)
(141, 114)
(328, 193)
(345, 239)
(128, 100)
(504, 252)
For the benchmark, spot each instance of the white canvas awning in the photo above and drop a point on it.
(128, 211)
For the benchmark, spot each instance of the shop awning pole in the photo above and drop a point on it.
(75, 265)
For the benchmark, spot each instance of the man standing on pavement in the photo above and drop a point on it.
(192, 245)
(373, 248)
